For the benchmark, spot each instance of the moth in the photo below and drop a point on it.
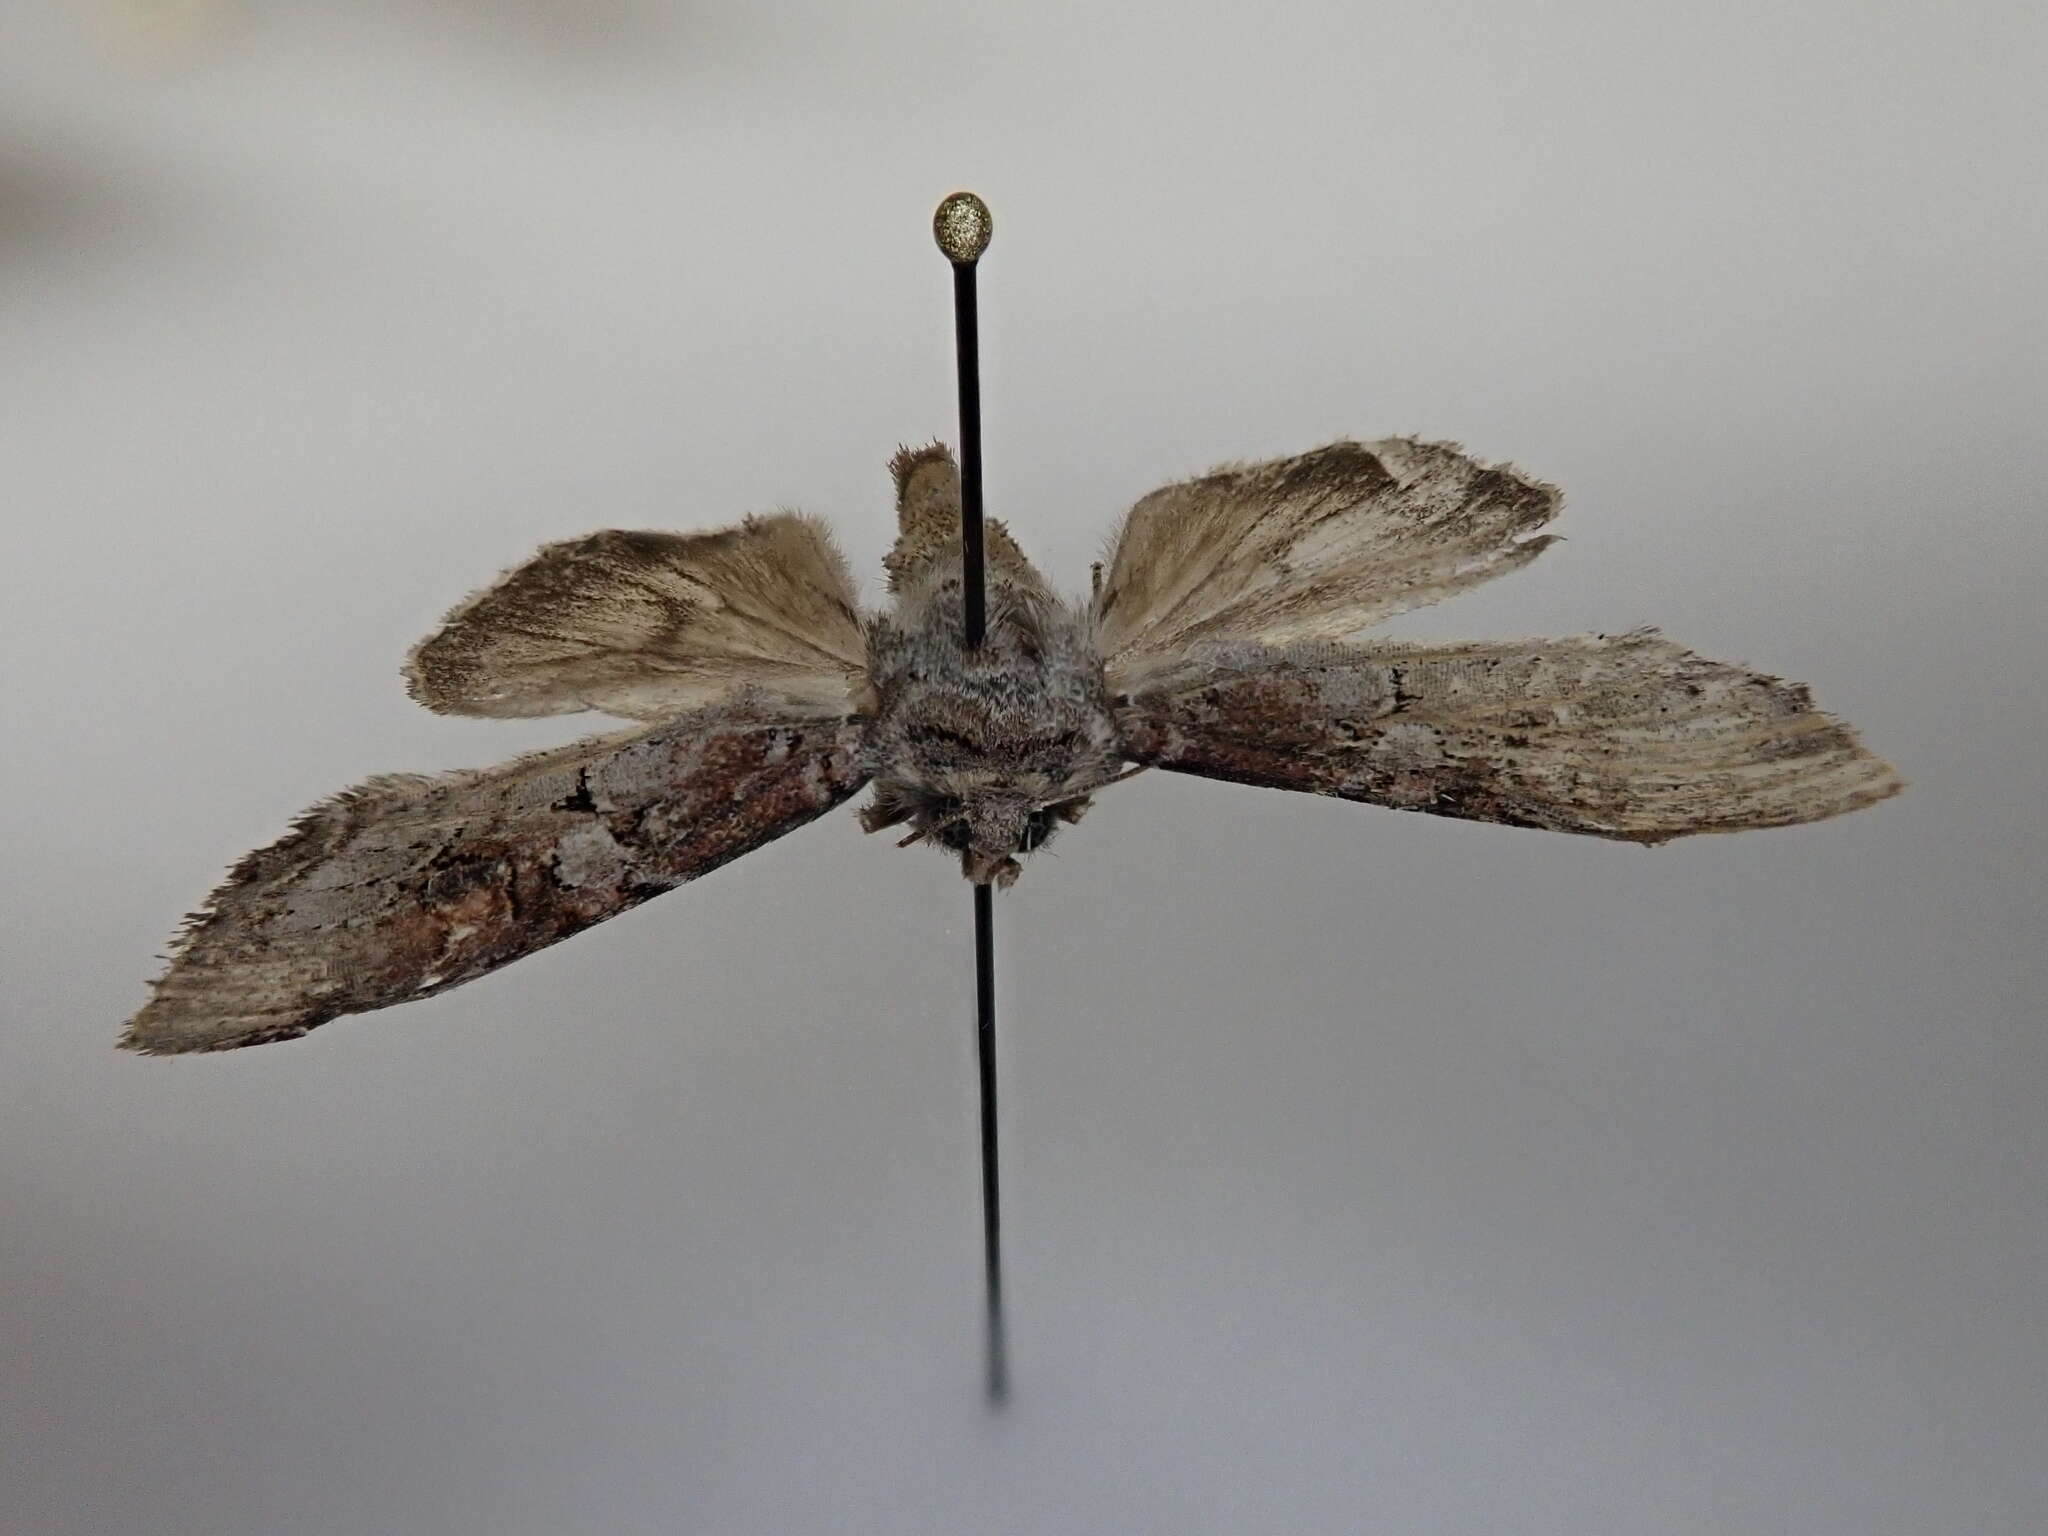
(1224, 640)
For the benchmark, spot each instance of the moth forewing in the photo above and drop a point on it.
(407, 886)
(1624, 736)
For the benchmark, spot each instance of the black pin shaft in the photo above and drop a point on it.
(991, 1182)
(962, 228)
(967, 350)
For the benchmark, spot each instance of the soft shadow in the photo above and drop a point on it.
(72, 202)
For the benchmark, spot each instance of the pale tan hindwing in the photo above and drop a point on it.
(1317, 547)
(651, 625)
(1624, 736)
(407, 886)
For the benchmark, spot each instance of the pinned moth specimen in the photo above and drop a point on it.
(1224, 640)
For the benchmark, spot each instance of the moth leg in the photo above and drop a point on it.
(982, 869)
(1071, 811)
(885, 811)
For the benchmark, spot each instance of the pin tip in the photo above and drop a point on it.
(963, 226)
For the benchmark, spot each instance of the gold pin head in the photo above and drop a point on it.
(963, 227)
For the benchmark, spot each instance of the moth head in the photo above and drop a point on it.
(989, 828)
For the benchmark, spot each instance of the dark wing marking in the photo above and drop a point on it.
(407, 886)
(1625, 736)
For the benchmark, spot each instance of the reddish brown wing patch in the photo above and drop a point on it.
(406, 887)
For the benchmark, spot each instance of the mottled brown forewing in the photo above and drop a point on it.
(408, 886)
(1625, 736)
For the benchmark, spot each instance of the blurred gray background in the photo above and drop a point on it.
(1364, 1171)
